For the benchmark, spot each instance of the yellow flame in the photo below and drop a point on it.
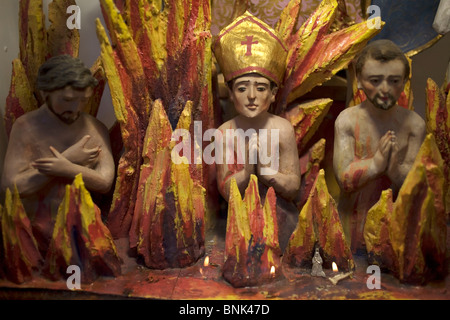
(206, 262)
(334, 266)
(272, 270)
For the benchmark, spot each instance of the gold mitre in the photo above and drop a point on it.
(250, 45)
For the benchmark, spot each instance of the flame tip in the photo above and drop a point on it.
(334, 267)
(272, 270)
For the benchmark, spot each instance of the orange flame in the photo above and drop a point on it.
(334, 267)
(206, 262)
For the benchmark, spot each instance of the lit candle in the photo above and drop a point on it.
(272, 271)
(205, 264)
(334, 267)
(338, 276)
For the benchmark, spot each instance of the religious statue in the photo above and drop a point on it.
(376, 142)
(255, 142)
(49, 146)
(317, 264)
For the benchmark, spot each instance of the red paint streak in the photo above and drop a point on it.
(403, 101)
(369, 151)
(352, 179)
(357, 136)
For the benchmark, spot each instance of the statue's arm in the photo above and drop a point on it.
(228, 168)
(18, 169)
(224, 177)
(80, 154)
(351, 172)
(99, 178)
(284, 178)
(397, 169)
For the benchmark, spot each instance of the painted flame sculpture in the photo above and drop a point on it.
(157, 52)
(80, 238)
(20, 256)
(319, 222)
(438, 123)
(251, 244)
(408, 236)
(168, 228)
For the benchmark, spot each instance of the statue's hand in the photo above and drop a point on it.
(381, 158)
(393, 166)
(267, 175)
(253, 148)
(58, 166)
(79, 154)
(251, 155)
(268, 161)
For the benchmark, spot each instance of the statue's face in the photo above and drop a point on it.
(67, 103)
(382, 82)
(252, 95)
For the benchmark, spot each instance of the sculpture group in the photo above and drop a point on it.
(58, 155)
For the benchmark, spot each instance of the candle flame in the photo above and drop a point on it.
(272, 271)
(206, 262)
(334, 266)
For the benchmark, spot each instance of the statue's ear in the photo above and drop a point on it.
(274, 90)
(274, 93)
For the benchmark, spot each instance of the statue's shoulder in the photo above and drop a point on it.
(412, 119)
(347, 117)
(281, 123)
(28, 127)
(280, 120)
(93, 121)
(230, 124)
(29, 119)
(354, 110)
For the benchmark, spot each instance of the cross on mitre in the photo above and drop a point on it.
(249, 43)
